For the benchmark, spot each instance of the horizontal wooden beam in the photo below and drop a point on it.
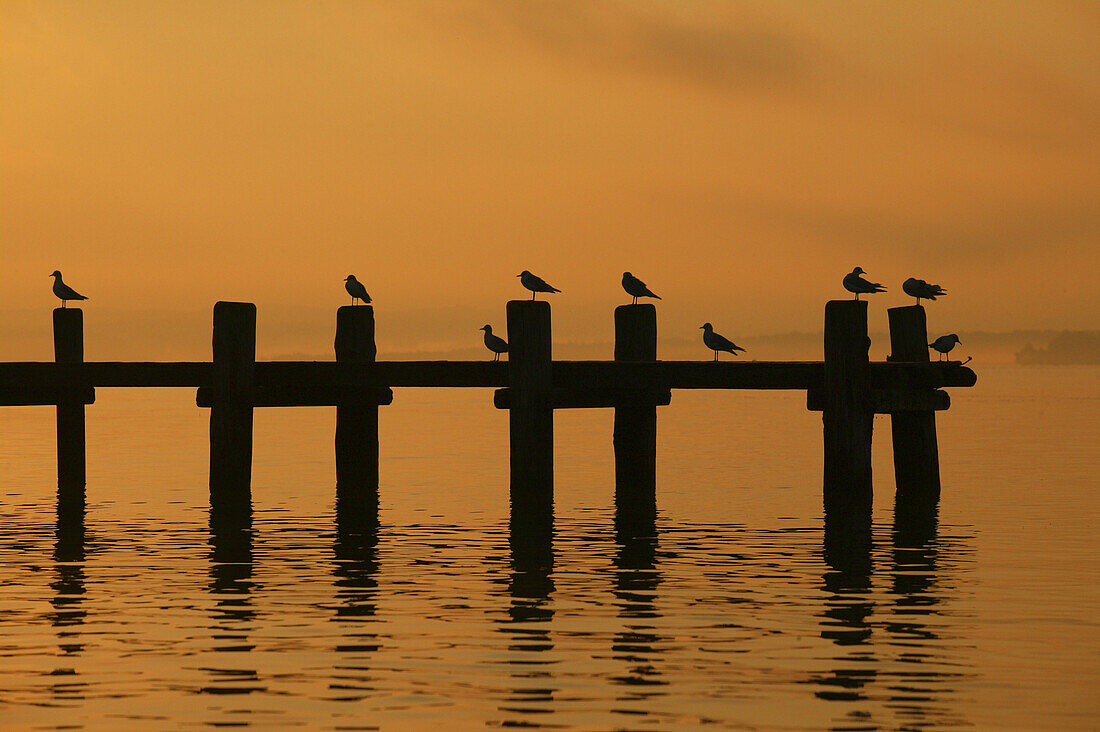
(921, 375)
(107, 373)
(658, 375)
(384, 373)
(307, 396)
(18, 396)
(591, 398)
(566, 374)
(891, 400)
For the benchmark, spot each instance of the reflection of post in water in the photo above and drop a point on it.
(848, 607)
(68, 588)
(636, 583)
(531, 541)
(231, 586)
(356, 554)
(913, 584)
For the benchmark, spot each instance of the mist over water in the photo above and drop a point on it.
(143, 613)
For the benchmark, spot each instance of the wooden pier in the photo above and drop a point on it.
(845, 386)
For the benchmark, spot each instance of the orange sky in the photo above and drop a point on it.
(739, 157)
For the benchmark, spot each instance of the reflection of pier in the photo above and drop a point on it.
(845, 387)
(67, 601)
(636, 584)
(887, 649)
(530, 612)
(231, 586)
(354, 571)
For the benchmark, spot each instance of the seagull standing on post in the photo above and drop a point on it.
(944, 344)
(854, 283)
(355, 289)
(921, 289)
(496, 344)
(535, 284)
(718, 343)
(62, 290)
(636, 288)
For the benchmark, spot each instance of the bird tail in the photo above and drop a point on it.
(656, 297)
(554, 289)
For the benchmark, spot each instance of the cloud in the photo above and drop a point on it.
(732, 52)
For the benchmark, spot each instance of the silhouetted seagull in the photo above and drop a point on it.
(921, 289)
(496, 344)
(355, 289)
(62, 290)
(636, 288)
(535, 284)
(944, 344)
(854, 283)
(718, 343)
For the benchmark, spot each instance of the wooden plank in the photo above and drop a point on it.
(304, 396)
(108, 373)
(461, 374)
(688, 374)
(589, 398)
(16, 396)
(384, 373)
(891, 401)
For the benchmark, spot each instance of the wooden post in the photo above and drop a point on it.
(636, 423)
(68, 347)
(531, 417)
(357, 417)
(916, 454)
(233, 385)
(847, 417)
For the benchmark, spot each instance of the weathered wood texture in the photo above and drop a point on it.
(635, 435)
(846, 419)
(68, 348)
(916, 453)
(234, 346)
(356, 419)
(530, 420)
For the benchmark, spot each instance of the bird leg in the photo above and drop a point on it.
(532, 294)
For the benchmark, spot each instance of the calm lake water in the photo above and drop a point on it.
(729, 613)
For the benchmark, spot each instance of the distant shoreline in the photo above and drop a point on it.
(1068, 348)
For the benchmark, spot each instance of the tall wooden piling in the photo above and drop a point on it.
(356, 415)
(636, 422)
(233, 390)
(916, 453)
(531, 416)
(847, 416)
(68, 347)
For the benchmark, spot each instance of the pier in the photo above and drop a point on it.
(846, 387)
